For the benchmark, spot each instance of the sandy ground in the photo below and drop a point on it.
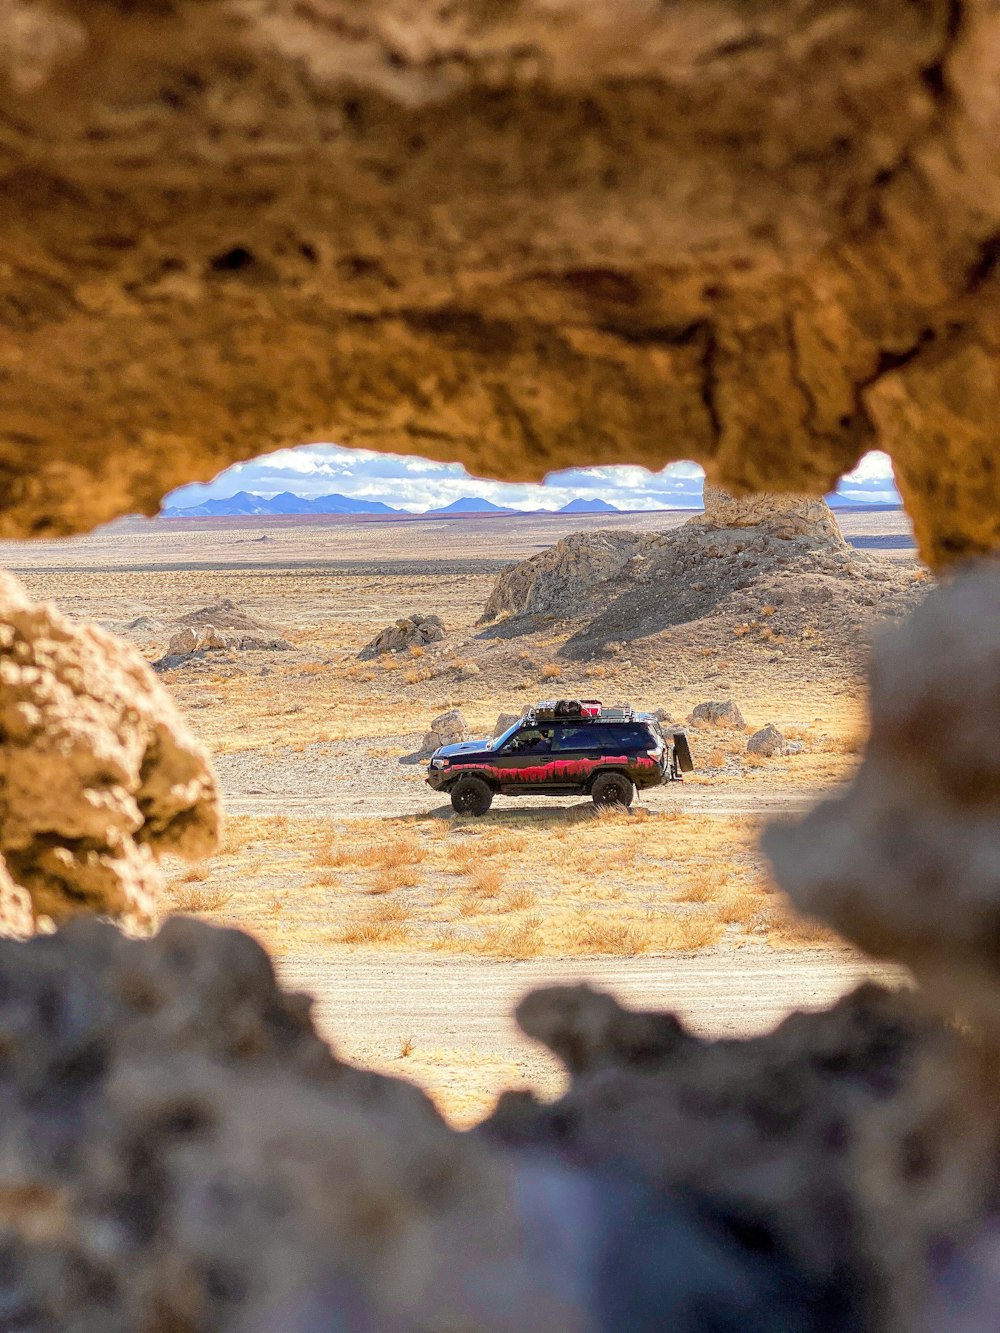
(457, 1022)
(312, 733)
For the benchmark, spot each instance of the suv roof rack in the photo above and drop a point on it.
(565, 710)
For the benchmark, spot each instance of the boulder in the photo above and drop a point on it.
(447, 729)
(504, 721)
(182, 643)
(717, 713)
(783, 516)
(767, 742)
(414, 631)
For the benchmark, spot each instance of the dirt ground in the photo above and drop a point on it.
(417, 931)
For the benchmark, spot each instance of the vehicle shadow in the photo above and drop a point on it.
(582, 811)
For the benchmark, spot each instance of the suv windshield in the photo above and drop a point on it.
(504, 736)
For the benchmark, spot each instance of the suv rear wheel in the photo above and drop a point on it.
(612, 789)
(471, 796)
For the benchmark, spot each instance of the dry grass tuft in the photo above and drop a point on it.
(390, 878)
(196, 901)
(623, 939)
(381, 924)
(486, 881)
(519, 939)
(702, 885)
(405, 1048)
(685, 934)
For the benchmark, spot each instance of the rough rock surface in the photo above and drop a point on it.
(561, 580)
(717, 713)
(785, 516)
(907, 863)
(209, 639)
(413, 631)
(98, 773)
(526, 236)
(447, 729)
(180, 1150)
(767, 742)
(805, 1137)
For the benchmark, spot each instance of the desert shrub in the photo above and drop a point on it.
(381, 923)
(551, 671)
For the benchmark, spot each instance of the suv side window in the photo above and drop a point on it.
(580, 738)
(631, 736)
(529, 740)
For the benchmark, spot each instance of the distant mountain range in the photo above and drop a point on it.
(245, 504)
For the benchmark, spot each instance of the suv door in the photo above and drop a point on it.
(526, 759)
(580, 748)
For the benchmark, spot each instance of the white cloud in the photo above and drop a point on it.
(420, 484)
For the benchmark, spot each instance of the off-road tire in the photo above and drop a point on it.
(612, 789)
(471, 796)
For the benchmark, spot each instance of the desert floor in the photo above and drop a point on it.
(417, 931)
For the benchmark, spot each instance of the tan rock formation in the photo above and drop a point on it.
(562, 580)
(907, 863)
(98, 774)
(526, 236)
(785, 516)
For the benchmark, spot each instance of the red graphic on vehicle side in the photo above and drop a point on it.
(557, 770)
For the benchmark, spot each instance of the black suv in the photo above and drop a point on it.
(565, 747)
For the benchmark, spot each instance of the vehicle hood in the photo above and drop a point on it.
(463, 747)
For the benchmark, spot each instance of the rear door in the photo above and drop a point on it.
(631, 743)
(580, 750)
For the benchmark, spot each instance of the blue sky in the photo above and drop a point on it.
(418, 484)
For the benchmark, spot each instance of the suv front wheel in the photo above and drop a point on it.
(612, 789)
(471, 796)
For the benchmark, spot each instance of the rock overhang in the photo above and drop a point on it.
(522, 237)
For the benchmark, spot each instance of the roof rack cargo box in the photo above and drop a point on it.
(552, 709)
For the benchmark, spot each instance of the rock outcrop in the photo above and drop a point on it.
(415, 631)
(781, 251)
(209, 639)
(98, 773)
(182, 1151)
(563, 580)
(907, 863)
(447, 729)
(767, 742)
(717, 713)
(783, 516)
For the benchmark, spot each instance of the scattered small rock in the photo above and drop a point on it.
(767, 742)
(414, 631)
(717, 713)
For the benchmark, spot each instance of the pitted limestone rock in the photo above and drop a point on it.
(98, 773)
(907, 863)
(808, 1135)
(179, 1149)
(175, 185)
(785, 516)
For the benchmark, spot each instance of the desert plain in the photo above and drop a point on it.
(416, 930)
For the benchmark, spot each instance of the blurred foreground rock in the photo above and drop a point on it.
(99, 775)
(907, 863)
